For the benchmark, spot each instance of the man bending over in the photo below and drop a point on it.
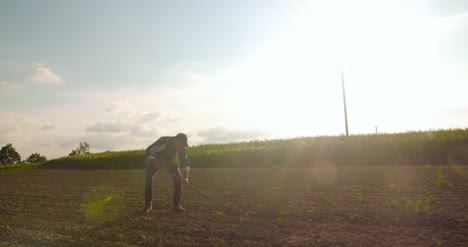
(167, 154)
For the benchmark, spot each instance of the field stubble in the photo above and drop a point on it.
(318, 206)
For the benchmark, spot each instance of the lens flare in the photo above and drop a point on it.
(324, 172)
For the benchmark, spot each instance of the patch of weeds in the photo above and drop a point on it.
(28, 185)
(120, 236)
(275, 167)
(322, 196)
(361, 199)
(430, 200)
(409, 204)
(420, 206)
(281, 213)
(248, 212)
(394, 203)
(219, 214)
(243, 219)
(428, 167)
(290, 202)
(353, 216)
(278, 188)
(311, 211)
(396, 220)
(392, 186)
(441, 179)
(181, 232)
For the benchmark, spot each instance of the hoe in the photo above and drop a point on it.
(191, 186)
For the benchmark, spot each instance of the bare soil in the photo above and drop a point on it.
(318, 206)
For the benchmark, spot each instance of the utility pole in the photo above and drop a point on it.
(344, 102)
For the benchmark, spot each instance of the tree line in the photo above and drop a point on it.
(9, 155)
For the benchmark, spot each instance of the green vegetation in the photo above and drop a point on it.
(278, 188)
(441, 179)
(36, 157)
(322, 196)
(219, 214)
(422, 205)
(393, 203)
(243, 219)
(380, 149)
(392, 186)
(311, 211)
(353, 216)
(106, 160)
(83, 149)
(361, 198)
(417, 148)
(8, 155)
(7, 169)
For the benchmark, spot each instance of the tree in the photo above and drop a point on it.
(8, 155)
(36, 157)
(83, 149)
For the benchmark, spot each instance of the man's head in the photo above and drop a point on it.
(181, 140)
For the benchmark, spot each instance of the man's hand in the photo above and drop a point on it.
(185, 176)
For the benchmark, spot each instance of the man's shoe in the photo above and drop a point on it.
(148, 209)
(179, 208)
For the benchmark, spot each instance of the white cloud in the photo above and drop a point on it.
(15, 127)
(47, 126)
(148, 117)
(103, 127)
(219, 134)
(26, 133)
(121, 107)
(6, 84)
(43, 74)
(129, 121)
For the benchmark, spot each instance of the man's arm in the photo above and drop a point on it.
(184, 165)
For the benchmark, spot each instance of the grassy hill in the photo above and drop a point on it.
(429, 147)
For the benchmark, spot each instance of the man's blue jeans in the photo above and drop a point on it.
(176, 177)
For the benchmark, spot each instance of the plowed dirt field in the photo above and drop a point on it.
(320, 206)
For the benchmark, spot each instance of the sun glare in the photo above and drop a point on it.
(292, 86)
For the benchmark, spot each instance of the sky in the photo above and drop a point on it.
(120, 74)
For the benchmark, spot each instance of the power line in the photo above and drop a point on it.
(282, 14)
(305, 6)
(295, 9)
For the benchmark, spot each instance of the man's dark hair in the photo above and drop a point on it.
(183, 138)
